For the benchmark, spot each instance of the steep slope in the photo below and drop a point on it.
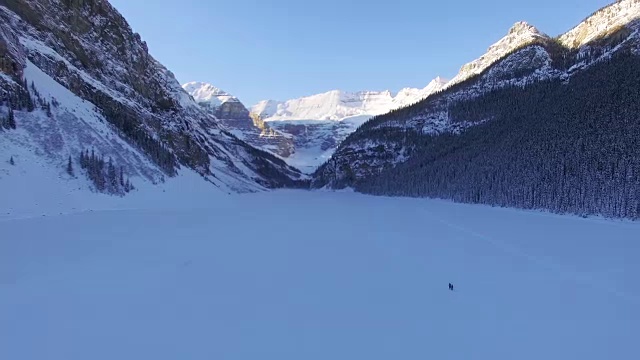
(318, 123)
(520, 35)
(235, 117)
(601, 23)
(77, 78)
(511, 134)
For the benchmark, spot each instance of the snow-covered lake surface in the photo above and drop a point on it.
(315, 275)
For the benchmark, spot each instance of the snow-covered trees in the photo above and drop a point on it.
(565, 147)
(129, 125)
(70, 167)
(103, 174)
(9, 121)
(20, 98)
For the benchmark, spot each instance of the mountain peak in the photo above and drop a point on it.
(522, 27)
(202, 87)
(338, 104)
(438, 81)
(519, 35)
(206, 93)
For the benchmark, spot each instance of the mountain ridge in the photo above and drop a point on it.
(307, 135)
(231, 113)
(431, 148)
(365, 102)
(85, 66)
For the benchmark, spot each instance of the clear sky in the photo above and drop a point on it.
(283, 49)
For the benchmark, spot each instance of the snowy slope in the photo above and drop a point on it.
(408, 96)
(520, 34)
(196, 282)
(603, 22)
(41, 145)
(112, 97)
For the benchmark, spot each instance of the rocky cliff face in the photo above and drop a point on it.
(304, 132)
(109, 94)
(235, 117)
(522, 58)
(520, 35)
(315, 140)
(317, 124)
(601, 24)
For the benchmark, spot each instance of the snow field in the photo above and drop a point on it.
(316, 275)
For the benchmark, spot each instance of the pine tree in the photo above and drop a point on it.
(6, 122)
(100, 176)
(11, 161)
(83, 161)
(11, 120)
(28, 100)
(70, 167)
(112, 176)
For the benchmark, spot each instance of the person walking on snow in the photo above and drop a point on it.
(451, 286)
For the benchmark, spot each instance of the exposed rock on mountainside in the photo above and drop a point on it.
(95, 85)
(304, 132)
(318, 123)
(235, 117)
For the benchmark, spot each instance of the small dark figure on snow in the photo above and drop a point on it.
(451, 286)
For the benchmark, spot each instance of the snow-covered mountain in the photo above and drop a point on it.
(85, 94)
(602, 23)
(236, 119)
(337, 105)
(520, 35)
(318, 123)
(519, 109)
(204, 93)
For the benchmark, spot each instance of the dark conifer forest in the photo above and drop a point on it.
(565, 147)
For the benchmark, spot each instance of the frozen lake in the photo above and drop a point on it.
(318, 275)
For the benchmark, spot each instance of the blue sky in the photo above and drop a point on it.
(282, 49)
